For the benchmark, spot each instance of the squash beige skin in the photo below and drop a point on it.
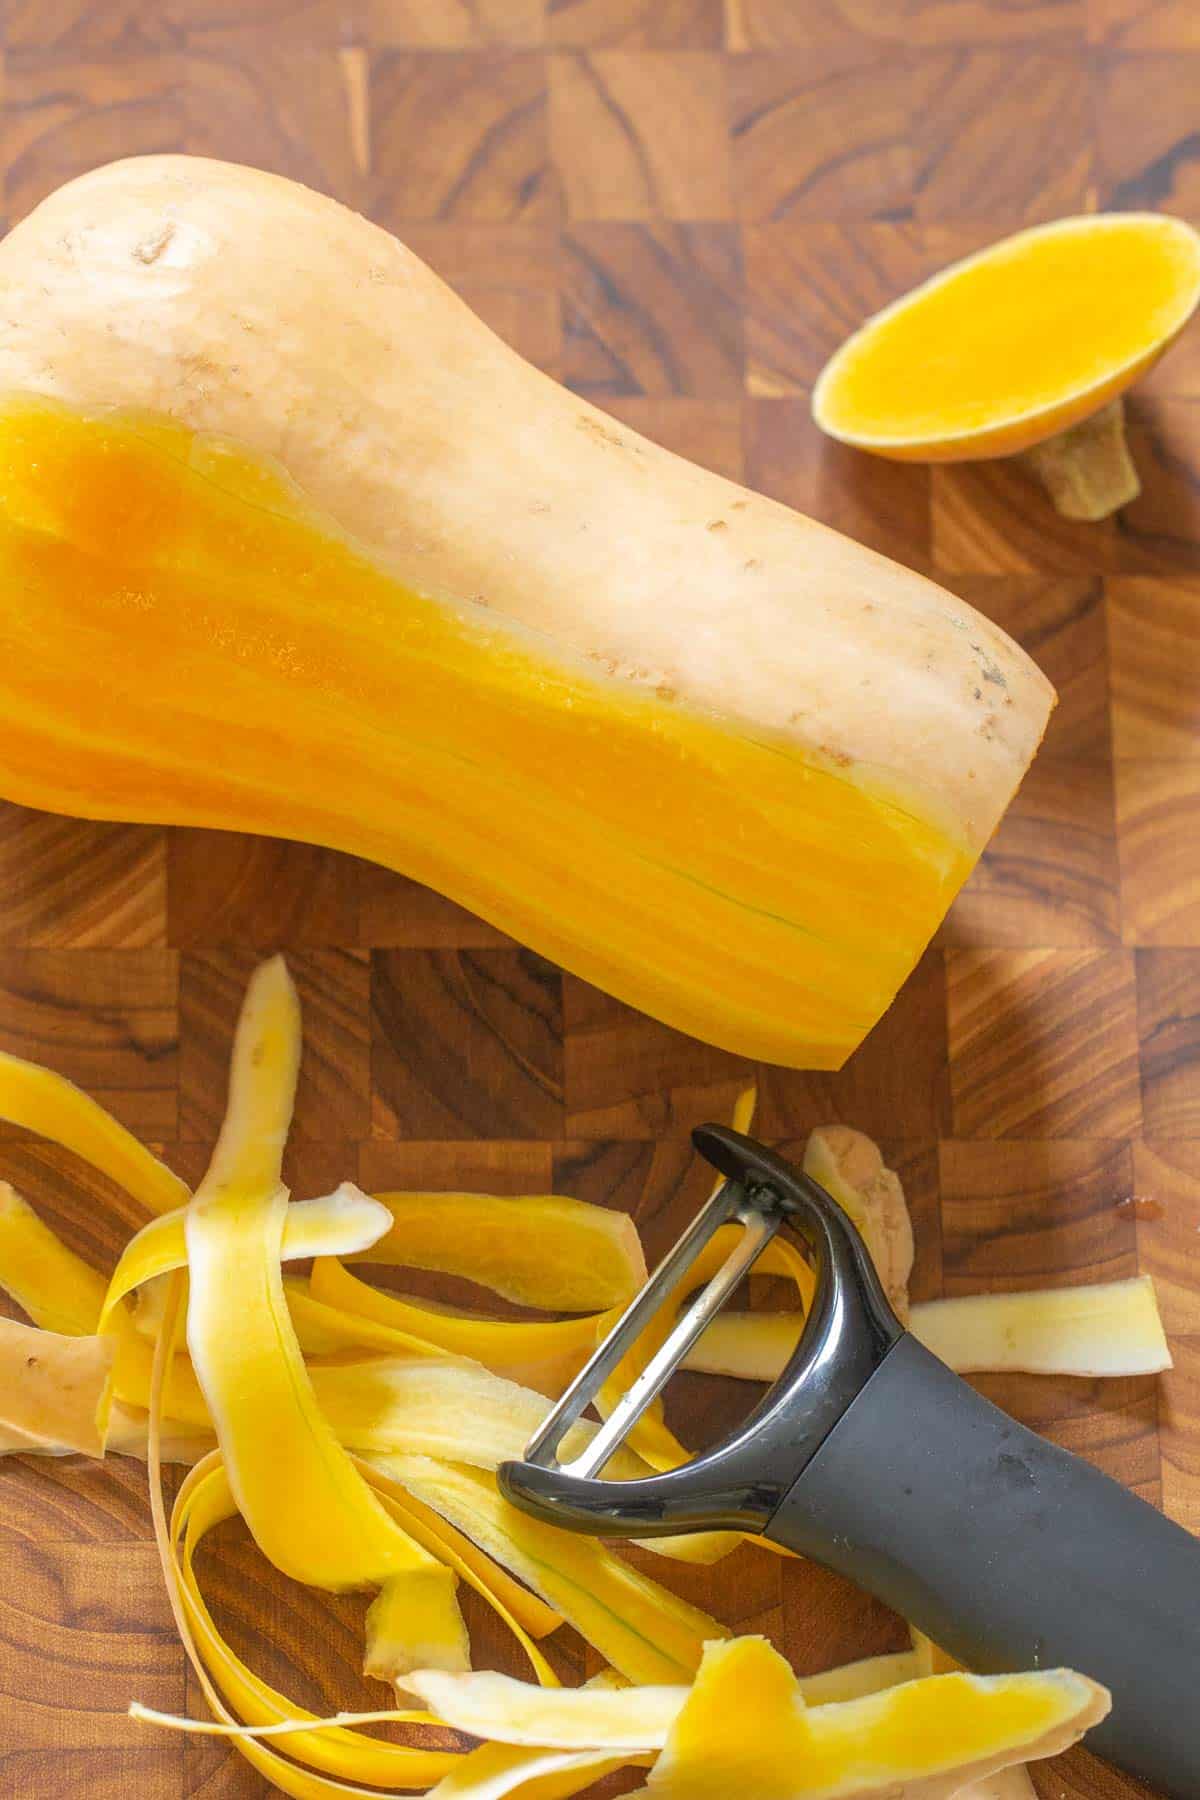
(240, 303)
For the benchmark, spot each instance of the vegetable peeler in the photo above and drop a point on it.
(872, 1457)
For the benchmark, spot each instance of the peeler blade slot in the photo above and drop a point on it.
(760, 1228)
(728, 1204)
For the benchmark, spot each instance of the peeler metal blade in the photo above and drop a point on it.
(758, 1212)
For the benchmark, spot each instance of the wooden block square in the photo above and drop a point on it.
(1049, 876)
(653, 309)
(1035, 1214)
(226, 887)
(1160, 530)
(460, 136)
(1179, 1434)
(471, 1166)
(783, 24)
(1168, 995)
(106, 1020)
(660, 1183)
(1143, 144)
(276, 101)
(636, 24)
(151, 1771)
(708, 432)
(884, 505)
(1167, 1178)
(810, 283)
(64, 114)
(508, 274)
(1043, 1043)
(86, 1626)
(641, 134)
(993, 518)
(1009, 165)
(92, 27)
(893, 1086)
(466, 1043)
(628, 1076)
(451, 24)
(828, 1620)
(820, 136)
(80, 884)
(1158, 817)
(396, 913)
(330, 22)
(1155, 666)
(1133, 25)
(1061, 623)
(332, 1099)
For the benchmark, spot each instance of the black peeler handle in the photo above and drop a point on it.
(1010, 1554)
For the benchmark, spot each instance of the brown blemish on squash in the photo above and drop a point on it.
(151, 248)
(604, 434)
(739, 506)
(716, 525)
(752, 562)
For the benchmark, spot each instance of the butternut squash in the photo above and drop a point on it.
(291, 543)
(1023, 348)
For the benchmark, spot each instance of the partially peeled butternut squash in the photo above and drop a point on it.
(354, 573)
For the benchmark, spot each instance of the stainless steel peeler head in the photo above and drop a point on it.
(739, 1483)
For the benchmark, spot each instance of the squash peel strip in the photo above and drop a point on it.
(331, 1531)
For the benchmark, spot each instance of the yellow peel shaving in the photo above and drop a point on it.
(345, 1220)
(641, 1629)
(55, 1287)
(54, 1108)
(538, 1250)
(307, 1506)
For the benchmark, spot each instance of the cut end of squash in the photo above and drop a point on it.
(1017, 344)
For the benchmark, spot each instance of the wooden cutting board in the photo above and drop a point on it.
(679, 208)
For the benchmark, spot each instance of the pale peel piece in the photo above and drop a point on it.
(498, 1771)
(58, 1290)
(923, 1740)
(1009, 1784)
(39, 1100)
(54, 1389)
(515, 1712)
(538, 1250)
(339, 1222)
(641, 1629)
(851, 1681)
(850, 1167)
(1106, 1328)
(304, 1502)
(1103, 1329)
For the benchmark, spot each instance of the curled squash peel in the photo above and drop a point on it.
(503, 637)
(344, 1455)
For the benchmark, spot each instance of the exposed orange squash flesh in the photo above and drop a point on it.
(440, 740)
(1016, 343)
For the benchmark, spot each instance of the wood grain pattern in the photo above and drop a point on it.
(680, 207)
